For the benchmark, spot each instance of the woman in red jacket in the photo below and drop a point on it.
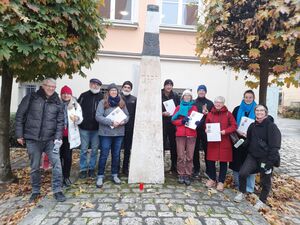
(220, 151)
(185, 137)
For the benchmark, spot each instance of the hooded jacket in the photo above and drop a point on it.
(221, 151)
(259, 134)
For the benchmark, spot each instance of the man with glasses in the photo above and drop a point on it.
(39, 123)
(89, 128)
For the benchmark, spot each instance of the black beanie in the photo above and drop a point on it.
(168, 81)
(127, 83)
(111, 86)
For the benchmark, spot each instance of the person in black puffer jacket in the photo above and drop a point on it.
(40, 122)
(263, 143)
(89, 101)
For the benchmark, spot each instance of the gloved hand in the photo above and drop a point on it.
(268, 166)
(197, 123)
(185, 120)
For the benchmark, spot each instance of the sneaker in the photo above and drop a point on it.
(91, 173)
(99, 182)
(220, 186)
(69, 181)
(239, 197)
(60, 197)
(210, 183)
(66, 183)
(187, 181)
(116, 180)
(34, 197)
(196, 174)
(82, 174)
(259, 205)
(180, 179)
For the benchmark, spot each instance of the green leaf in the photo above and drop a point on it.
(5, 53)
(25, 49)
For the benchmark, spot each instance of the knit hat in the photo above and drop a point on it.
(127, 83)
(96, 81)
(202, 87)
(112, 86)
(168, 81)
(66, 90)
(187, 92)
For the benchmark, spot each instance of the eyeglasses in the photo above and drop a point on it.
(260, 110)
(49, 86)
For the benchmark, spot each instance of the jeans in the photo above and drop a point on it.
(66, 157)
(88, 138)
(211, 171)
(250, 166)
(35, 150)
(250, 181)
(114, 144)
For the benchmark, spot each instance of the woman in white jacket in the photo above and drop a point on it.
(71, 137)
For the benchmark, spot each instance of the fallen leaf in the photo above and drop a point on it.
(179, 210)
(122, 213)
(86, 205)
(187, 194)
(190, 221)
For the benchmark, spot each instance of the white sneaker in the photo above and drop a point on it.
(259, 205)
(239, 197)
(99, 182)
(116, 180)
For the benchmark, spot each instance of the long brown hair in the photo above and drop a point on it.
(106, 103)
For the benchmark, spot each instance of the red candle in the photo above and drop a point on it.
(141, 186)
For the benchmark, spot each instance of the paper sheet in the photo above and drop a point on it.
(213, 132)
(170, 106)
(195, 116)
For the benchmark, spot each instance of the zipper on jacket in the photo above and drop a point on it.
(42, 118)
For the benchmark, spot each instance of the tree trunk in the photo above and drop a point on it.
(263, 81)
(5, 98)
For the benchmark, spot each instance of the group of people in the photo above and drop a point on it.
(56, 125)
(259, 152)
(47, 123)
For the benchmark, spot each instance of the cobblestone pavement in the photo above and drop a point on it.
(290, 151)
(169, 204)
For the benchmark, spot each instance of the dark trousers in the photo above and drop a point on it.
(212, 173)
(127, 149)
(250, 166)
(169, 131)
(201, 138)
(66, 157)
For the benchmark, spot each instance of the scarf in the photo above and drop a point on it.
(245, 108)
(114, 101)
(184, 108)
(66, 114)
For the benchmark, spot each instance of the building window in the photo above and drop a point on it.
(29, 88)
(121, 10)
(180, 12)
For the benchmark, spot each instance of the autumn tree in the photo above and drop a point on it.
(40, 39)
(260, 36)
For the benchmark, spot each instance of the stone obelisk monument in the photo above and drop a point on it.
(146, 162)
